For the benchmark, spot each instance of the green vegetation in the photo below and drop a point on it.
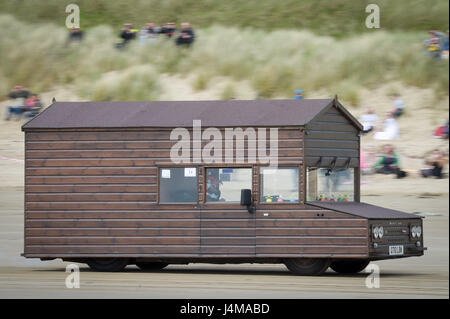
(336, 17)
(274, 63)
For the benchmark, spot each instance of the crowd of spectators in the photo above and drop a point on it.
(149, 33)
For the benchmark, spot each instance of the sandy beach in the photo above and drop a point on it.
(425, 276)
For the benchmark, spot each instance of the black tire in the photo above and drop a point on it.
(107, 264)
(307, 266)
(151, 266)
(349, 266)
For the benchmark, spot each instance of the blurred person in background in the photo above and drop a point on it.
(153, 32)
(126, 34)
(169, 29)
(435, 162)
(445, 133)
(399, 106)
(18, 94)
(32, 106)
(441, 131)
(444, 51)
(434, 43)
(143, 35)
(75, 35)
(388, 162)
(187, 35)
(390, 129)
(148, 34)
(298, 94)
(368, 120)
(368, 158)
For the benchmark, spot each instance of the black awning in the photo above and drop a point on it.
(364, 210)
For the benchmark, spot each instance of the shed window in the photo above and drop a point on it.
(225, 184)
(279, 185)
(324, 184)
(178, 185)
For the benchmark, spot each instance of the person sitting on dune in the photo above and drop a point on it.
(388, 162)
(390, 129)
(169, 29)
(399, 106)
(368, 120)
(186, 36)
(19, 94)
(32, 106)
(434, 164)
(126, 34)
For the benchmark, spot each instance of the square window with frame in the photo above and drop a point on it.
(279, 185)
(324, 184)
(225, 184)
(178, 185)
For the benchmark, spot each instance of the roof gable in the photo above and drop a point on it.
(343, 111)
(231, 113)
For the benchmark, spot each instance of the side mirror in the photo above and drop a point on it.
(246, 200)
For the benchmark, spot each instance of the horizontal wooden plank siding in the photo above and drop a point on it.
(331, 135)
(306, 231)
(227, 231)
(95, 192)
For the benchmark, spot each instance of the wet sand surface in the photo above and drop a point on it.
(418, 277)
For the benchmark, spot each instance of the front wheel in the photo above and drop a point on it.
(307, 266)
(107, 264)
(349, 266)
(151, 266)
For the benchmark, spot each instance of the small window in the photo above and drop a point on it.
(178, 185)
(225, 184)
(279, 185)
(324, 184)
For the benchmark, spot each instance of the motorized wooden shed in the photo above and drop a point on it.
(100, 182)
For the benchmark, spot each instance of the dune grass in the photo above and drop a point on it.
(338, 17)
(275, 63)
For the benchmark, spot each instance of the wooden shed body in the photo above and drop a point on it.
(92, 175)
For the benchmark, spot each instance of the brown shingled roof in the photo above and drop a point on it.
(178, 114)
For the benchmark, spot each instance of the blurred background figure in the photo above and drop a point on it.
(368, 120)
(388, 162)
(441, 131)
(435, 162)
(187, 35)
(143, 35)
(434, 44)
(153, 32)
(390, 129)
(368, 158)
(126, 34)
(169, 29)
(444, 51)
(399, 106)
(75, 35)
(19, 95)
(298, 94)
(32, 107)
(148, 34)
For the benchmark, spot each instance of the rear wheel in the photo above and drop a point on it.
(151, 266)
(307, 266)
(349, 266)
(107, 264)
